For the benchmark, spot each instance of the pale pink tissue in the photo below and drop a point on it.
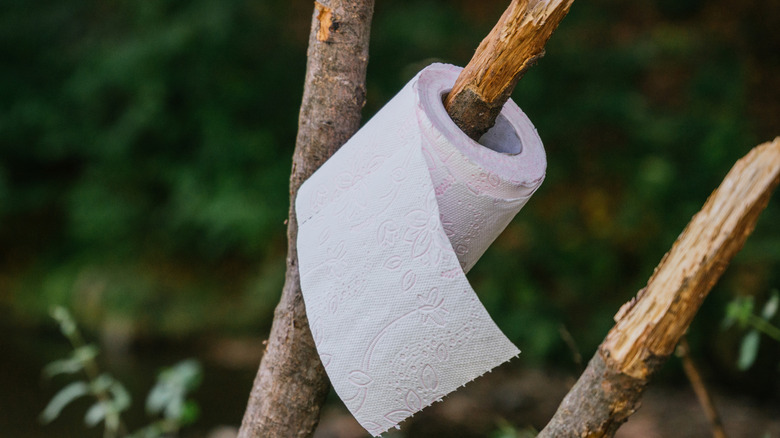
(388, 228)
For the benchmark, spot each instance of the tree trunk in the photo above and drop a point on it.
(649, 326)
(291, 384)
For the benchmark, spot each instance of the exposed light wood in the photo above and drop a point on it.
(649, 327)
(515, 44)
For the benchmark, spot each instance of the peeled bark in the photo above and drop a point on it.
(514, 45)
(649, 327)
(291, 384)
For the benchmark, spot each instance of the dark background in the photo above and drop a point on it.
(145, 148)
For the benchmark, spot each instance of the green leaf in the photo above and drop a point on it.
(62, 366)
(86, 353)
(102, 383)
(506, 430)
(153, 430)
(63, 317)
(73, 364)
(62, 399)
(748, 350)
(107, 409)
(186, 374)
(738, 311)
(121, 398)
(169, 393)
(96, 414)
(159, 396)
(770, 308)
(189, 413)
(174, 408)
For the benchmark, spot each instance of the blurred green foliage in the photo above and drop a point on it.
(145, 149)
(169, 398)
(740, 312)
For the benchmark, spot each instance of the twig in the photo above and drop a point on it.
(764, 327)
(705, 399)
(568, 339)
(515, 44)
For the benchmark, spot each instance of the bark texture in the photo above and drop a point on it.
(291, 383)
(512, 47)
(649, 327)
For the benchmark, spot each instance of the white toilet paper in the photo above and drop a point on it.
(387, 229)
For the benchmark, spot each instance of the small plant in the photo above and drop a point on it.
(168, 398)
(740, 311)
(506, 430)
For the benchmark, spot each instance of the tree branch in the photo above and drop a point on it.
(291, 383)
(510, 49)
(650, 325)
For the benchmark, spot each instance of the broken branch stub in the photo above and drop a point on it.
(649, 326)
(515, 44)
(652, 325)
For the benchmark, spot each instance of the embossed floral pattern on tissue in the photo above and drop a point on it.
(395, 321)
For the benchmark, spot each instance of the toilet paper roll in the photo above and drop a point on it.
(388, 227)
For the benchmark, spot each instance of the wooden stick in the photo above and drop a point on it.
(512, 47)
(568, 339)
(291, 384)
(650, 325)
(697, 383)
